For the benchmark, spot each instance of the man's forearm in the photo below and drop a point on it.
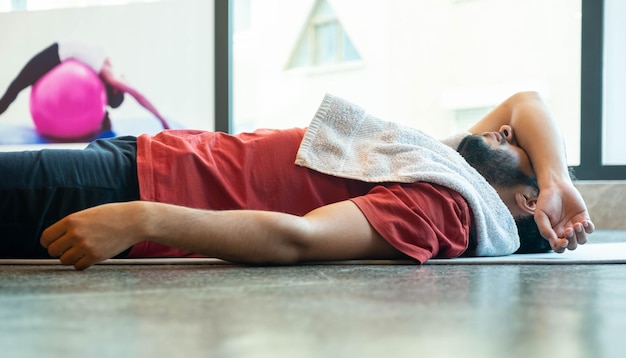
(239, 236)
(538, 134)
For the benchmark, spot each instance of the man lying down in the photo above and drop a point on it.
(349, 186)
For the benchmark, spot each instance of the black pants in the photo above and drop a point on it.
(34, 69)
(40, 187)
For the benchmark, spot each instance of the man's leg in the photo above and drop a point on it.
(34, 69)
(39, 188)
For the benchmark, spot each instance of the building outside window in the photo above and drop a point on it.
(324, 41)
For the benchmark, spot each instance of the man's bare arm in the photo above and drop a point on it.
(561, 213)
(334, 232)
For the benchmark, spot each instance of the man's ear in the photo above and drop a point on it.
(526, 200)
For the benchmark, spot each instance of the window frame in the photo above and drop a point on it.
(591, 116)
(223, 87)
(592, 52)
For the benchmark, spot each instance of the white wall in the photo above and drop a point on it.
(165, 49)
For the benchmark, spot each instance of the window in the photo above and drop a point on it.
(163, 48)
(418, 62)
(614, 83)
(602, 110)
(324, 40)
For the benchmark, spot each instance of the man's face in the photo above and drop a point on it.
(502, 163)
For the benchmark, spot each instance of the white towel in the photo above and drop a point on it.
(345, 141)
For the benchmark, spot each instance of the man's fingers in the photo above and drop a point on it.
(58, 247)
(545, 228)
(77, 257)
(84, 263)
(559, 245)
(572, 238)
(581, 234)
(51, 234)
(70, 256)
(568, 237)
(582, 229)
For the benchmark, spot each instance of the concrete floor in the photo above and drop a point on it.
(315, 311)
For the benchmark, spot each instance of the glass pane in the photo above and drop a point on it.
(163, 49)
(614, 111)
(421, 62)
(16, 5)
(325, 43)
(241, 19)
(349, 51)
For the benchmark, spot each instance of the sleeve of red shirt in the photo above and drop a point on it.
(421, 220)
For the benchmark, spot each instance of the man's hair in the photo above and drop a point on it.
(530, 239)
(115, 97)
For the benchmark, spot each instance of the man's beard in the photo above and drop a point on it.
(498, 167)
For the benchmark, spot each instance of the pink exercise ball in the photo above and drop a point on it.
(68, 102)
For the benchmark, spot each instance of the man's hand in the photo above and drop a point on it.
(562, 217)
(87, 237)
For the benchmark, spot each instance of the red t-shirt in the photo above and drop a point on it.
(256, 171)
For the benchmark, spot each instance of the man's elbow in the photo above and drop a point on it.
(526, 96)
